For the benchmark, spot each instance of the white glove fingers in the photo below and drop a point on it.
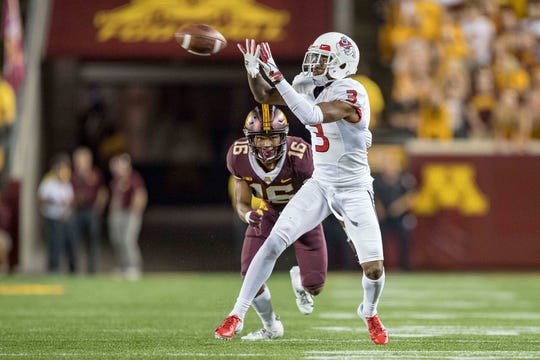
(263, 64)
(242, 50)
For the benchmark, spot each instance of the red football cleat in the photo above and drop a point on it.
(230, 326)
(377, 331)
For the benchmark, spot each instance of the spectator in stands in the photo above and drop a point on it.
(413, 82)
(511, 126)
(514, 39)
(394, 195)
(434, 118)
(531, 25)
(128, 202)
(508, 71)
(406, 20)
(90, 200)
(56, 201)
(455, 81)
(452, 44)
(532, 113)
(480, 107)
(535, 78)
(479, 32)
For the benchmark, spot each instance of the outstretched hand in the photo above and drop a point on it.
(269, 64)
(251, 56)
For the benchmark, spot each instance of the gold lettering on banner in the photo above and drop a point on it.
(450, 186)
(157, 20)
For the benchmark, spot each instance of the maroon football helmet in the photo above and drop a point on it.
(266, 120)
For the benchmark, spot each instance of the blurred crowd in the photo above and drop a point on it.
(73, 199)
(463, 69)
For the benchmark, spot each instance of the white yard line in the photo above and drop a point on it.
(431, 331)
(431, 354)
(441, 316)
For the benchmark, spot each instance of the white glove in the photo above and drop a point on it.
(268, 64)
(251, 56)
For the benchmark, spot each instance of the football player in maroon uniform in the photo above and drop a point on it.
(273, 166)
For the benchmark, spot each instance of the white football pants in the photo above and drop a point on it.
(309, 207)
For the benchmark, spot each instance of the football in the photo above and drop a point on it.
(200, 39)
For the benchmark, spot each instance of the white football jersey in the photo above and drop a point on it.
(340, 148)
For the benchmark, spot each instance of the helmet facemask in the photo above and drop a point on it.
(314, 61)
(268, 153)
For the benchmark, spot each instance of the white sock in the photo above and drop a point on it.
(263, 307)
(258, 272)
(372, 293)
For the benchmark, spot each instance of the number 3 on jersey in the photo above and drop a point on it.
(320, 134)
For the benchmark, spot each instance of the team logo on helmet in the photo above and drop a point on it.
(346, 45)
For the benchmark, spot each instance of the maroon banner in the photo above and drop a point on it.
(476, 211)
(109, 29)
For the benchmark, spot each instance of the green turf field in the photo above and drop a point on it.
(173, 316)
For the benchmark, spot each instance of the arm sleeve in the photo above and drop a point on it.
(307, 113)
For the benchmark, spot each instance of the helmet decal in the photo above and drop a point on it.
(324, 47)
(348, 48)
(266, 117)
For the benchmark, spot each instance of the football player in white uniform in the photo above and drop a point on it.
(335, 109)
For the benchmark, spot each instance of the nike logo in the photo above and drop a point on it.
(283, 181)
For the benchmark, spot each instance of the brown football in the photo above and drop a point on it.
(200, 39)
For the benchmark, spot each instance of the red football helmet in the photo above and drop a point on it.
(265, 121)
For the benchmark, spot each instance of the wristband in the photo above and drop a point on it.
(246, 216)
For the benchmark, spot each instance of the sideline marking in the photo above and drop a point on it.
(31, 289)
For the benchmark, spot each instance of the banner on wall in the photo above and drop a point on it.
(476, 211)
(111, 29)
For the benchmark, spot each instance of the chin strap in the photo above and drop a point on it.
(305, 112)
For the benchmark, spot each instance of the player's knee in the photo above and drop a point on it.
(273, 247)
(313, 283)
(373, 270)
(285, 233)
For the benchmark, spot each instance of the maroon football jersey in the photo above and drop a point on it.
(276, 187)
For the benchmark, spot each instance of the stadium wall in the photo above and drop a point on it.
(476, 205)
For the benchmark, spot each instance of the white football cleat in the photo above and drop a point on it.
(304, 300)
(266, 333)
